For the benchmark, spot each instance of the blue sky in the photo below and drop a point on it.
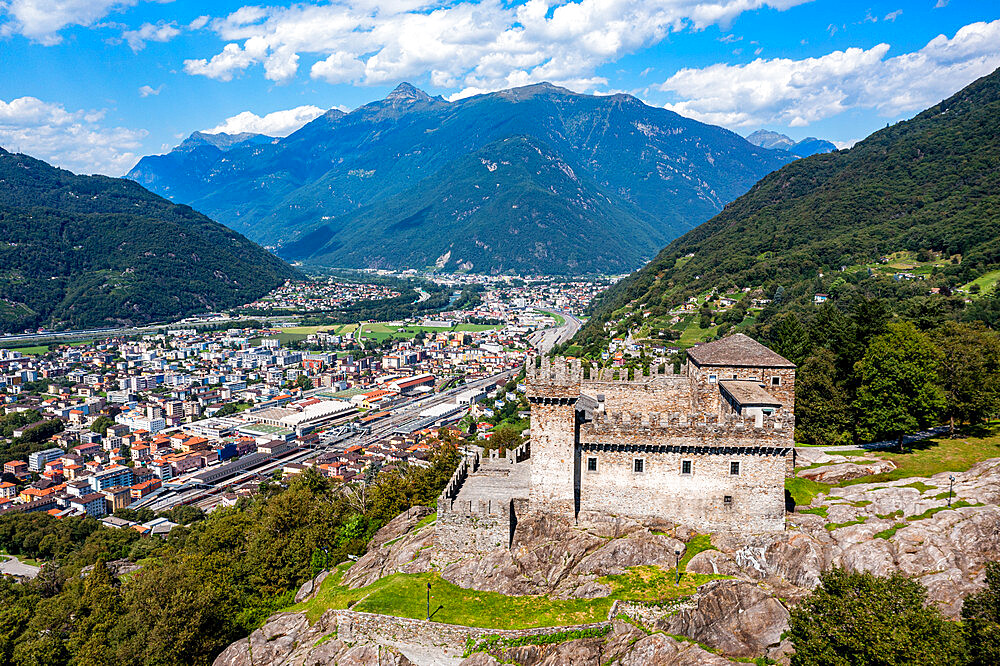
(92, 85)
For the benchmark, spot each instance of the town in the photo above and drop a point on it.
(123, 428)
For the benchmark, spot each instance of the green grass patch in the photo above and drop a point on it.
(816, 511)
(960, 504)
(987, 283)
(804, 490)
(834, 526)
(405, 595)
(697, 544)
(920, 485)
(655, 584)
(425, 521)
(898, 513)
(887, 534)
(933, 456)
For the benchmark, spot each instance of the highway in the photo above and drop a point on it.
(548, 338)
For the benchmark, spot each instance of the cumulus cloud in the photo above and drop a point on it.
(278, 123)
(799, 92)
(149, 32)
(146, 91)
(74, 140)
(41, 20)
(474, 46)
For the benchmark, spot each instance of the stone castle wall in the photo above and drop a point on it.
(756, 499)
(355, 626)
(464, 528)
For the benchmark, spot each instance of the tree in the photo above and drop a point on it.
(822, 412)
(981, 620)
(969, 371)
(101, 424)
(303, 382)
(788, 337)
(898, 390)
(860, 619)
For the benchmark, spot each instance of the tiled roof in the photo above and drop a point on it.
(737, 350)
(749, 393)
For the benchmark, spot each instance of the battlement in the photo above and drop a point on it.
(557, 371)
(678, 424)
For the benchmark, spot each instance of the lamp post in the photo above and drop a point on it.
(951, 484)
(677, 565)
(428, 601)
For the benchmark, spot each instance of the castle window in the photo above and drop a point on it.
(638, 465)
(734, 468)
(591, 464)
(775, 381)
(713, 379)
(685, 467)
(727, 500)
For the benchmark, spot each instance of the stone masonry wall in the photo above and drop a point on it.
(757, 501)
(353, 626)
(469, 529)
(708, 399)
(665, 393)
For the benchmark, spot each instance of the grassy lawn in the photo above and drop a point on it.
(924, 459)
(694, 333)
(405, 595)
(933, 456)
(987, 283)
(37, 350)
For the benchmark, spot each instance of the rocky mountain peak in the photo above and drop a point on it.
(406, 92)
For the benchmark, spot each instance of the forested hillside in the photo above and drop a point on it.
(81, 251)
(929, 186)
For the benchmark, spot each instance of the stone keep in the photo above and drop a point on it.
(708, 447)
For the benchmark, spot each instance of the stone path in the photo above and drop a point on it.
(889, 444)
(497, 480)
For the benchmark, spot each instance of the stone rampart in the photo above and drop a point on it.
(355, 626)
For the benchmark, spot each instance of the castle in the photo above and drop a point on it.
(708, 447)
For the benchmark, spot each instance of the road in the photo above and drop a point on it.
(12, 566)
(548, 338)
(184, 490)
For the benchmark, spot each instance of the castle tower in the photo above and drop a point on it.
(553, 389)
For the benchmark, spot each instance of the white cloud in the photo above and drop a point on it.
(278, 123)
(146, 91)
(199, 23)
(41, 20)
(149, 32)
(893, 15)
(798, 92)
(460, 44)
(74, 140)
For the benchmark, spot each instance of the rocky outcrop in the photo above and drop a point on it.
(734, 617)
(287, 639)
(395, 549)
(846, 471)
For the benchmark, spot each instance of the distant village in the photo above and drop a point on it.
(197, 417)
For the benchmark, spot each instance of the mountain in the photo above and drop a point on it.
(222, 141)
(929, 186)
(776, 141)
(82, 251)
(532, 179)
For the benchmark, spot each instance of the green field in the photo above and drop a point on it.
(987, 283)
(38, 350)
(404, 595)
(379, 331)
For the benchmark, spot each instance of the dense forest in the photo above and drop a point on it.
(930, 185)
(210, 582)
(80, 251)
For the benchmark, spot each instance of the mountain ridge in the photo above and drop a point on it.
(651, 164)
(92, 250)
